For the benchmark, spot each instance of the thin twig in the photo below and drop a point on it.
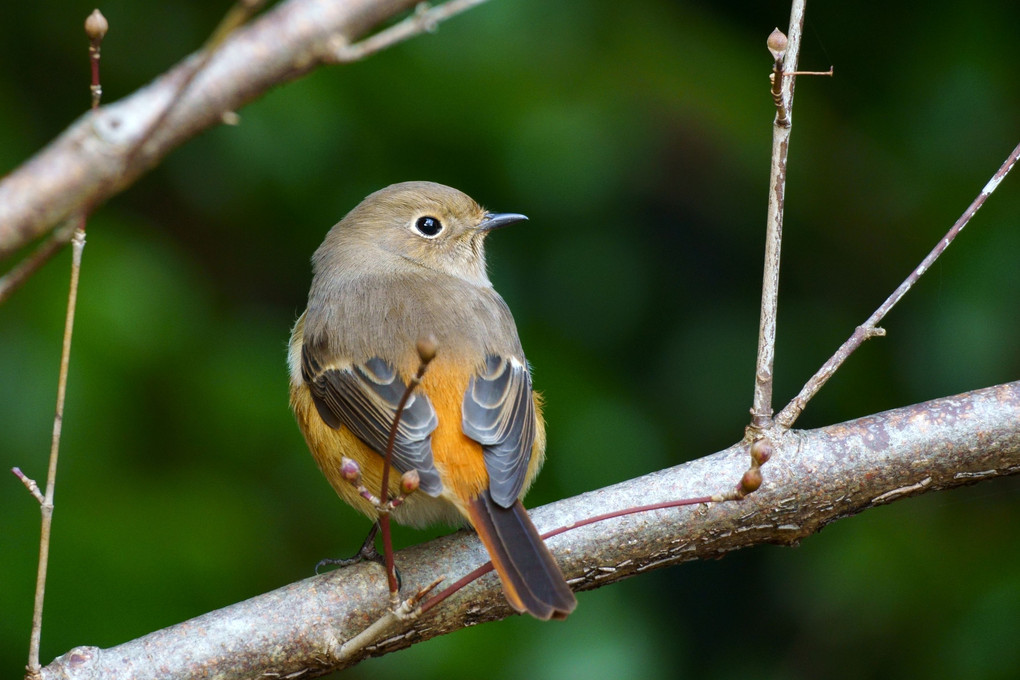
(594, 519)
(21, 272)
(761, 410)
(29, 483)
(236, 16)
(77, 245)
(869, 328)
(423, 20)
(402, 615)
(427, 348)
(96, 27)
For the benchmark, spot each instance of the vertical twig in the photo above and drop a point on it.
(96, 27)
(77, 245)
(783, 85)
(427, 348)
(870, 328)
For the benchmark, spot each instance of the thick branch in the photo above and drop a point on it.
(91, 160)
(813, 478)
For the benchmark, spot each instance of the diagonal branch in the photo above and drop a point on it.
(815, 477)
(92, 160)
(869, 328)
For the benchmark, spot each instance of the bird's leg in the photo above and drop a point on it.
(367, 551)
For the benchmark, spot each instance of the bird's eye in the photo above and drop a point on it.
(428, 226)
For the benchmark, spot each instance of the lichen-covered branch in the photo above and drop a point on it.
(813, 478)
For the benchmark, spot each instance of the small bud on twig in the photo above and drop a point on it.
(750, 482)
(350, 470)
(409, 482)
(30, 484)
(761, 451)
(777, 43)
(96, 26)
(427, 348)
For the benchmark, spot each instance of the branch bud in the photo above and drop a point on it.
(409, 482)
(427, 348)
(350, 470)
(750, 482)
(777, 43)
(761, 451)
(96, 26)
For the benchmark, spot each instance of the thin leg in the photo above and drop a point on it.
(366, 552)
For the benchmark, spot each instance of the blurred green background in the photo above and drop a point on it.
(636, 137)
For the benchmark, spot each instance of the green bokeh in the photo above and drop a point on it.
(636, 138)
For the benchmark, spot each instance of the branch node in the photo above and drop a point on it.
(426, 22)
(30, 484)
(410, 605)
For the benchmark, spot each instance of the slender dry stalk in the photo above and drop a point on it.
(869, 328)
(427, 348)
(783, 86)
(425, 19)
(23, 271)
(77, 245)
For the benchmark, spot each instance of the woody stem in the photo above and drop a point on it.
(384, 490)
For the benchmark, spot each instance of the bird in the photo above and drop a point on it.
(405, 264)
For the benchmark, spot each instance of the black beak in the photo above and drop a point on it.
(497, 220)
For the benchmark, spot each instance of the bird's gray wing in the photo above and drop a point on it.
(364, 398)
(499, 414)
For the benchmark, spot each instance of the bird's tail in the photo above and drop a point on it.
(532, 581)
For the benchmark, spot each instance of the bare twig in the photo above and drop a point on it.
(29, 483)
(400, 616)
(831, 72)
(869, 328)
(96, 27)
(425, 19)
(783, 85)
(594, 519)
(427, 348)
(777, 44)
(77, 245)
(21, 272)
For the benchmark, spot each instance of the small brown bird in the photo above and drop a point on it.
(409, 262)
